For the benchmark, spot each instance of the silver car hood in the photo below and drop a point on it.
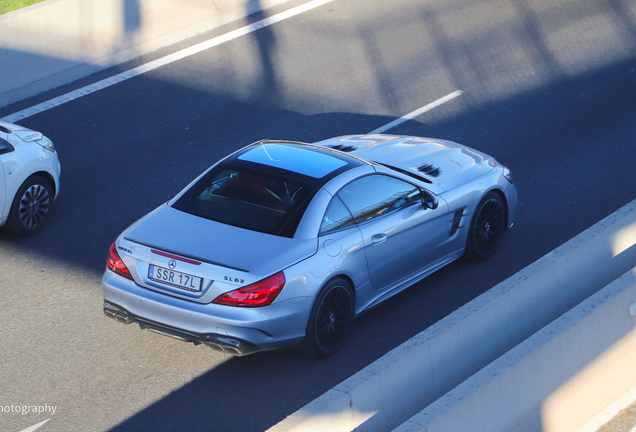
(442, 162)
(235, 248)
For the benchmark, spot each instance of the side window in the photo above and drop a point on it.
(375, 195)
(5, 147)
(336, 217)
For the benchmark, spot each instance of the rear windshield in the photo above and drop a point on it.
(248, 199)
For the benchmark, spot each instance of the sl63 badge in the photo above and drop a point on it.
(231, 279)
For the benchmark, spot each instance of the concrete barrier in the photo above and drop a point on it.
(58, 41)
(404, 381)
(558, 380)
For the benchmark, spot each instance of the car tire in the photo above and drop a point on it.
(31, 207)
(330, 319)
(486, 227)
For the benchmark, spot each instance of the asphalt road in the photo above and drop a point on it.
(549, 88)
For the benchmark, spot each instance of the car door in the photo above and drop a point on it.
(401, 236)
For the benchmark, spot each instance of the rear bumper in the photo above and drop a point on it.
(233, 330)
(225, 344)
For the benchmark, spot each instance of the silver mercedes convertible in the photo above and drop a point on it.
(284, 243)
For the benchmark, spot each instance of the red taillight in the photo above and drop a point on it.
(261, 293)
(115, 263)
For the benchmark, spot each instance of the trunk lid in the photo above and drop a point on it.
(223, 256)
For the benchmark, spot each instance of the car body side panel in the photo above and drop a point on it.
(464, 199)
(403, 242)
(342, 253)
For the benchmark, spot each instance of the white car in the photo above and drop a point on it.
(29, 179)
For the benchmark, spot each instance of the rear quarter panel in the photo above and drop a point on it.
(340, 253)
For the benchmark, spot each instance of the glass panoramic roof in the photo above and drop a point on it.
(295, 158)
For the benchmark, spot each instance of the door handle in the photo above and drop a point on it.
(378, 238)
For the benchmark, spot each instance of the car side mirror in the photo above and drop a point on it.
(429, 200)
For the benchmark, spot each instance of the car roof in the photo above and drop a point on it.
(303, 162)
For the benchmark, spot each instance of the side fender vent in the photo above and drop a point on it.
(459, 214)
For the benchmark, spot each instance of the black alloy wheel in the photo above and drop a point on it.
(330, 319)
(486, 228)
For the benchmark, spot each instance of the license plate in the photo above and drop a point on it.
(174, 278)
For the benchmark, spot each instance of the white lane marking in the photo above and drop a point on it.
(417, 112)
(34, 427)
(139, 70)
